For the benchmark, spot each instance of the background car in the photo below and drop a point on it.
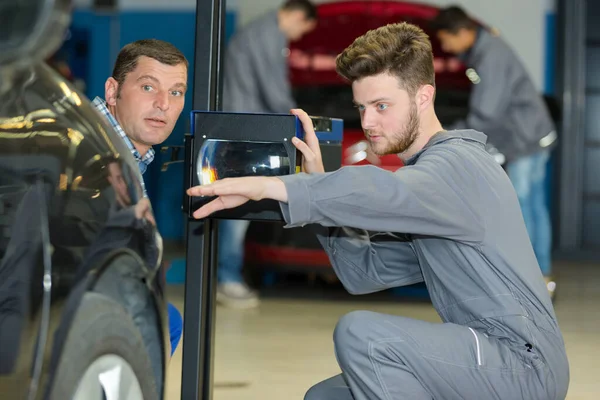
(320, 91)
(82, 308)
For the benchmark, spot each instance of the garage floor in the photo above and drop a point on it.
(279, 350)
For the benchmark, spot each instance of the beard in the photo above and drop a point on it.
(401, 140)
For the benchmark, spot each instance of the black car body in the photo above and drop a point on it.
(81, 284)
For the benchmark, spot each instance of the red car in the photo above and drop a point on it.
(319, 91)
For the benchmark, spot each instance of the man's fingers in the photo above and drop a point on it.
(199, 191)
(300, 113)
(218, 204)
(310, 137)
(231, 192)
(217, 188)
(209, 208)
(308, 154)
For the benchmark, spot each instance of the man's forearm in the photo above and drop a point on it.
(374, 199)
(276, 190)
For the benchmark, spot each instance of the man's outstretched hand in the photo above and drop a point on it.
(233, 192)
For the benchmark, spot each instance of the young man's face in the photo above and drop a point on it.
(149, 101)
(455, 43)
(389, 116)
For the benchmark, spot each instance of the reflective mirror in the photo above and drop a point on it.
(219, 159)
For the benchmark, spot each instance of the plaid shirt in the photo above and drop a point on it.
(143, 162)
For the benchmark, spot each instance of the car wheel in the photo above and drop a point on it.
(104, 356)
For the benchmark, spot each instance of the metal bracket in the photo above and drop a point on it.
(174, 159)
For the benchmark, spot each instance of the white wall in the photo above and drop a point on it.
(521, 22)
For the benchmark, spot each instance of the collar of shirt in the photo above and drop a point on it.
(443, 136)
(143, 162)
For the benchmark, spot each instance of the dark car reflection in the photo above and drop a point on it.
(71, 204)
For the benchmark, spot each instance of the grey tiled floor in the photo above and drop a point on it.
(279, 350)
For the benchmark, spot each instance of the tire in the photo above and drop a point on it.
(102, 330)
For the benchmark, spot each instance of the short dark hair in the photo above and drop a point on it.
(309, 9)
(402, 50)
(452, 19)
(161, 51)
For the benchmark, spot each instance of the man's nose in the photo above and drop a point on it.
(162, 101)
(368, 119)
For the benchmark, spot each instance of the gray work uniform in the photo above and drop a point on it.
(504, 102)
(256, 69)
(450, 217)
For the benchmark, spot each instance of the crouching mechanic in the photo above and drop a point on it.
(143, 100)
(450, 217)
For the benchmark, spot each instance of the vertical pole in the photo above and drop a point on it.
(199, 311)
(572, 47)
(201, 243)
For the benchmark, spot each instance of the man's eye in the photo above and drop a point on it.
(177, 93)
(382, 107)
(146, 88)
(360, 108)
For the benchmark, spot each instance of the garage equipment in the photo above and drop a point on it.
(261, 145)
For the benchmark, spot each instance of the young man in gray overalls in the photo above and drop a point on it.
(450, 217)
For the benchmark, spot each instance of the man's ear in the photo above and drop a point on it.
(425, 97)
(111, 88)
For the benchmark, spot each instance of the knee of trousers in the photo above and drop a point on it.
(315, 393)
(351, 337)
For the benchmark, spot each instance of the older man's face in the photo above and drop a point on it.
(149, 102)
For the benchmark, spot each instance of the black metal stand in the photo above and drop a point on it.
(199, 311)
(201, 243)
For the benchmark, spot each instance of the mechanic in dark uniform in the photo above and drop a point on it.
(506, 106)
(450, 217)
(256, 80)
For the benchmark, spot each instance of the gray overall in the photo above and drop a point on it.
(450, 218)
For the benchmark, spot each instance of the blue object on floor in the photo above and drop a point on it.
(176, 272)
(175, 326)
